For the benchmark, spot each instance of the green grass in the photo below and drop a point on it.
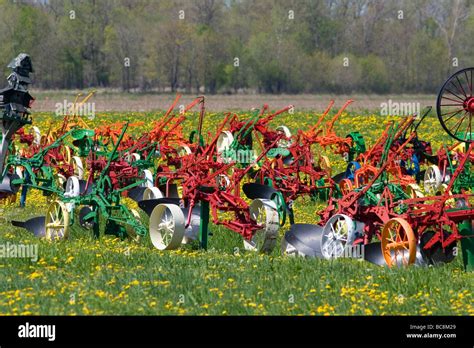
(83, 275)
(108, 276)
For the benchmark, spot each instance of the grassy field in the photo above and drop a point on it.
(83, 275)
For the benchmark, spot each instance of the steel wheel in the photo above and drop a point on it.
(132, 157)
(167, 226)
(286, 141)
(183, 150)
(398, 243)
(455, 105)
(264, 212)
(152, 193)
(73, 187)
(414, 191)
(57, 222)
(78, 167)
(65, 152)
(223, 141)
(148, 176)
(339, 233)
(60, 181)
(346, 186)
(432, 180)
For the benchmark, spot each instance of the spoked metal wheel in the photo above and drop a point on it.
(184, 150)
(152, 193)
(398, 243)
(57, 222)
(148, 176)
(78, 167)
(432, 180)
(73, 187)
(455, 105)
(223, 141)
(346, 186)
(264, 212)
(414, 191)
(132, 157)
(286, 141)
(60, 180)
(339, 233)
(167, 226)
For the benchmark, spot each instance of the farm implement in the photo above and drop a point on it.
(383, 215)
(396, 202)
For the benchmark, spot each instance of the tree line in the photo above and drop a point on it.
(233, 46)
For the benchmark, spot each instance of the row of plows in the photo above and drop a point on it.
(396, 203)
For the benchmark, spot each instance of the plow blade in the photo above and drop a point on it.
(148, 205)
(192, 230)
(34, 225)
(253, 191)
(288, 160)
(303, 240)
(338, 177)
(82, 185)
(6, 186)
(136, 193)
(373, 254)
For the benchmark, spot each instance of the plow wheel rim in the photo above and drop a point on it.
(338, 233)
(132, 157)
(223, 141)
(287, 133)
(183, 150)
(414, 191)
(73, 187)
(148, 176)
(78, 167)
(66, 153)
(152, 193)
(432, 179)
(398, 236)
(61, 180)
(263, 212)
(455, 105)
(346, 186)
(167, 226)
(57, 222)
